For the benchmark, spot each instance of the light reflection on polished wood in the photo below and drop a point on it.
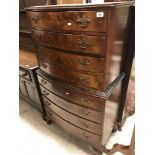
(27, 59)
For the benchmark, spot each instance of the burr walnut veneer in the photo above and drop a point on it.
(80, 51)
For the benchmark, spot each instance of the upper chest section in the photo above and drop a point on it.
(94, 20)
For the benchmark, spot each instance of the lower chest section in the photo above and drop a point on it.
(78, 113)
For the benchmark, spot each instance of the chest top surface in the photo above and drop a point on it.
(27, 59)
(78, 6)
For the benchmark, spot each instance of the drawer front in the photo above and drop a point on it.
(78, 78)
(71, 61)
(77, 121)
(78, 98)
(70, 20)
(81, 43)
(85, 135)
(24, 74)
(73, 108)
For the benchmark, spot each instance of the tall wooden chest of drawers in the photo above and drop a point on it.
(80, 51)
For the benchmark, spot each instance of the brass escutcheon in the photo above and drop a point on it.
(83, 21)
(84, 80)
(83, 43)
(84, 63)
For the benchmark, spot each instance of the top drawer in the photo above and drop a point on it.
(70, 20)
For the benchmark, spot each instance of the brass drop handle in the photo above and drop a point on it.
(83, 21)
(43, 81)
(83, 43)
(47, 103)
(85, 113)
(85, 135)
(35, 18)
(45, 92)
(84, 80)
(84, 101)
(85, 124)
(44, 65)
(84, 63)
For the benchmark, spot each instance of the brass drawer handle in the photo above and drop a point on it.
(85, 124)
(44, 65)
(84, 101)
(83, 21)
(84, 80)
(43, 82)
(45, 92)
(35, 18)
(85, 135)
(84, 63)
(85, 113)
(83, 43)
(47, 103)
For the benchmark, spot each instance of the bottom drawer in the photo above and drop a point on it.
(86, 136)
(73, 119)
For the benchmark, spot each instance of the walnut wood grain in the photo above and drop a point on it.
(77, 20)
(85, 135)
(73, 108)
(83, 43)
(90, 92)
(69, 60)
(68, 115)
(66, 24)
(79, 78)
(72, 95)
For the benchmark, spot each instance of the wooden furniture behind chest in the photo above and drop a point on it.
(28, 86)
(25, 39)
(80, 51)
(28, 89)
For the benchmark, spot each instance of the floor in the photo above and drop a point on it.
(41, 139)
